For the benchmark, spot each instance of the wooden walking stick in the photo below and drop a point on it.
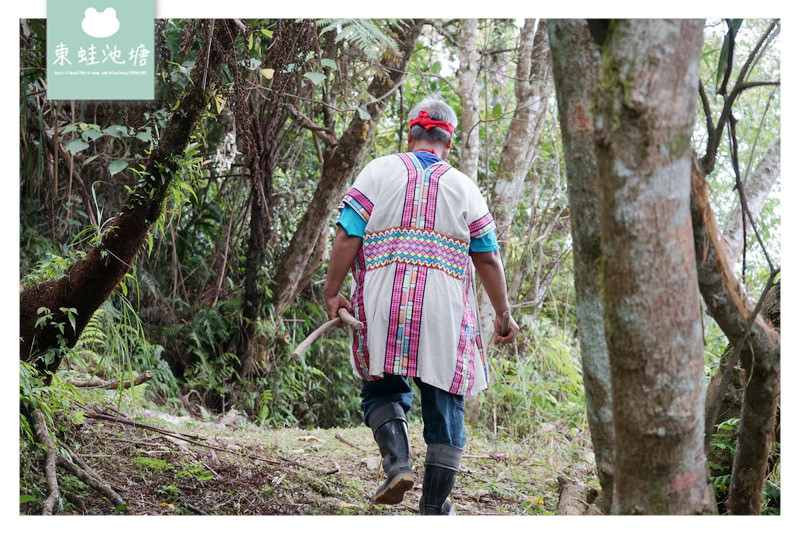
(344, 317)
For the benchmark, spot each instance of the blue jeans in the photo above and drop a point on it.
(442, 412)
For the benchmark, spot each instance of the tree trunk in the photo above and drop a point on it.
(760, 352)
(261, 125)
(756, 190)
(341, 162)
(469, 63)
(90, 281)
(726, 389)
(532, 89)
(253, 286)
(646, 110)
(575, 67)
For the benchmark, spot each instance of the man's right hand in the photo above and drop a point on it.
(513, 328)
(334, 303)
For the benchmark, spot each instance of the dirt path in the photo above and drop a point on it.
(243, 469)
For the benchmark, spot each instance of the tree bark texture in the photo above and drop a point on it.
(469, 63)
(532, 89)
(649, 79)
(760, 354)
(575, 66)
(575, 499)
(89, 282)
(756, 190)
(341, 162)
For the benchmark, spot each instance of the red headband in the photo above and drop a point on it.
(425, 121)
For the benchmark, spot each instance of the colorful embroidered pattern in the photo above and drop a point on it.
(360, 203)
(482, 226)
(415, 246)
(465, 365)
(359, 345)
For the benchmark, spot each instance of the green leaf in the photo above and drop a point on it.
(70, 128)
(268, 73)
(25, 498)
(497, 110)
(250, 42)
(267, 33)
(436, 67)
(145, 135)
(362, 112)
(91, 134)
(330, 63)
(117, 166)
(723, 54)
(116, 130)
(76, 145)
(315, 77)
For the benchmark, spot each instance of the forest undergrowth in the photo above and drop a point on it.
(225, 465)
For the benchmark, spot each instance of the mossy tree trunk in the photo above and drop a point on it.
(575, 65)
(90, 281)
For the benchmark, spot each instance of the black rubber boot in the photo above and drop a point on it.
(388, 424)
(441, 465)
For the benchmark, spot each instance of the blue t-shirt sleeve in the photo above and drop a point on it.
(487, 243)
(352, 224)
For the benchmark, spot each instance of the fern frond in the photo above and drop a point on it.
(368, 35)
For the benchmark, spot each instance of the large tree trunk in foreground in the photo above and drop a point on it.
(575, 64)
(341, 162)
(756, 190)
(90, 281)
(760, 352)
(655, 341)
(469, 62)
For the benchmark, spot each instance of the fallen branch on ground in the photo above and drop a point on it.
(338, 436)
(195, 439)
(97, 383)
(55, 459)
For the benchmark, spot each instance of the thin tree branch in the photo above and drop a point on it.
(323, 133)
(706, 111)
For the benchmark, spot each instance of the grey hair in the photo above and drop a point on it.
(437, 110)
